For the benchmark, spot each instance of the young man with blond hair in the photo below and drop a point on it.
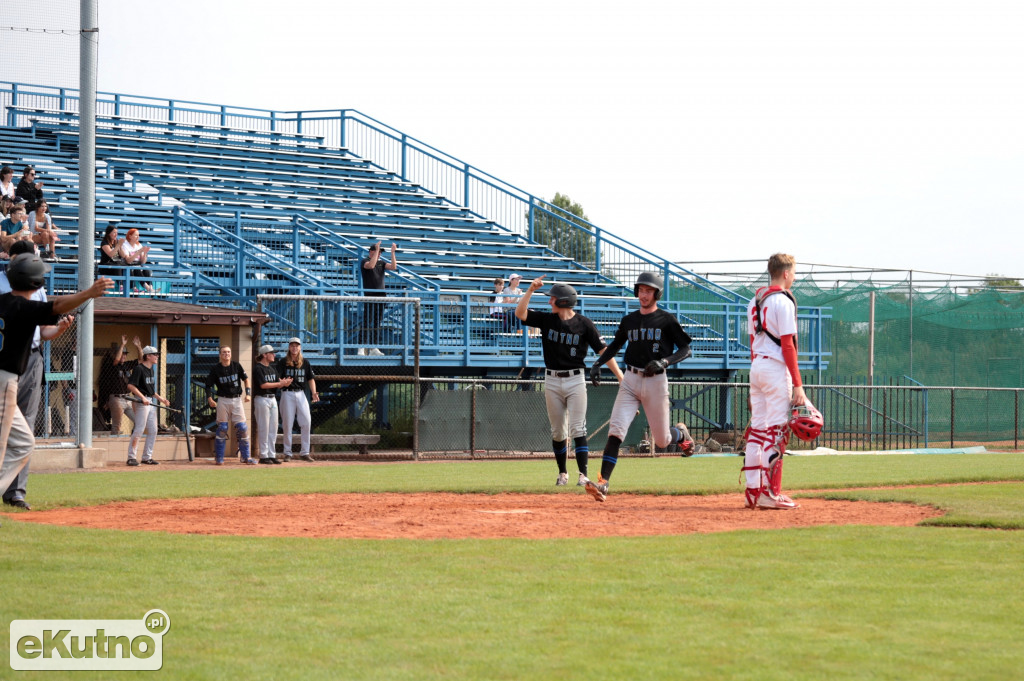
(775, 384)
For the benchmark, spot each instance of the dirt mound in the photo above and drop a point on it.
(480, 516)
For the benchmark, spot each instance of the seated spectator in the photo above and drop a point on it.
(496, 310)
(111, 262)
(7, 182)
(14, 228)
(43, 232)
(134, 253)
(6, 204)
(28, 188)
(511, 295)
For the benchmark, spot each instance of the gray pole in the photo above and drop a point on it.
(89, 50)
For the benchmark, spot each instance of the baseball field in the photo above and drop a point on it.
(256, 588)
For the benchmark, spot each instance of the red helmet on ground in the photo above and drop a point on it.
(806, 422)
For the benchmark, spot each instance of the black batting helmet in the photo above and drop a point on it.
(27, 272)
(564, 295)
(649, 279)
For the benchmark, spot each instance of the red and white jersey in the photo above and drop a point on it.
(778, 317)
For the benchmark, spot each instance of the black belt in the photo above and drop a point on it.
(641, 371)
(38, 348)
(564, 374)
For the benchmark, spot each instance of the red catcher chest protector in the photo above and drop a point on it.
(759, 298)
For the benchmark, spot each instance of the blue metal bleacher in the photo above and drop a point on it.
(238, 203)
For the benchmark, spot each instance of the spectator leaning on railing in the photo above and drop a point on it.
(135, 254)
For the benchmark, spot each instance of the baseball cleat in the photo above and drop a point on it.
(306, 457)
(133, 462)
(598, 490)
(582, 482)
(150, 462)
(778, 502)
(563, 479)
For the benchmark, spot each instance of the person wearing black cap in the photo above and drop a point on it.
(294, 405)
(266, 382)
(143, 386)
(19, 317)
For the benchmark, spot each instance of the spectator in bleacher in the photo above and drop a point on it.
(44, 234)
(496, 310)
(511, 295)
(28, 188)
(15, 227)
(372, 268)
(7, 182)
(111, 261)
(134, 254)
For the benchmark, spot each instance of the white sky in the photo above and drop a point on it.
(872, 133)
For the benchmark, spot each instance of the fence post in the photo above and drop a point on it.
(472, 421)
(885, 419)
(1016, 418)
(416, 383)
(405, 150)
(952, 414)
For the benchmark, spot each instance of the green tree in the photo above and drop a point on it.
(554, 226)
(1001, 282)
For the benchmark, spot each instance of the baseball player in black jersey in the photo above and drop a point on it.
(19, 317)
(655, 341)
(224, 387)
(565, 336)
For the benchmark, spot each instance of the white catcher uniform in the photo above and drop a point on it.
(771, 386)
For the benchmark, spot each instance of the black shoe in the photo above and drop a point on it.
(18, 503)
(133, 462)
(265, 460)
(150, 462)
(306, 457)
(277, 461)
(286, 459)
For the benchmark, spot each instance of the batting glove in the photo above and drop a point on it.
(595, 375)
(655, 366)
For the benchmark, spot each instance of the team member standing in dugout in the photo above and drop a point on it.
(294, 405)
(19, 317)
(224, 393)
(142, 384)
(264, 407)
(565, 336)
(655, 342)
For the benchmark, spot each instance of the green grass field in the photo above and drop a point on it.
(855, 602)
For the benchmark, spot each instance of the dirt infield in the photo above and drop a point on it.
(478, 516)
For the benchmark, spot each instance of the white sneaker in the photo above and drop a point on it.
(779, 502)
(361, 352)
(563, 479)
(582, 482)
(374, 352)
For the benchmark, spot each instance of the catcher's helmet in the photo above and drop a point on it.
(649, 279)
(27, 272)
(806, 422)
(564, 295)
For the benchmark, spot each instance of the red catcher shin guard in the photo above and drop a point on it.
(775, 475)
(753, 493)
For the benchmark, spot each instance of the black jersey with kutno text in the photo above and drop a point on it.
(226, 380)
(19, 318)
(264, 374)
(650, 336)
(142, 378)
(565, 341)
(300, 375)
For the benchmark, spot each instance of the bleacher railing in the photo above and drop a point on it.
(716, 310)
